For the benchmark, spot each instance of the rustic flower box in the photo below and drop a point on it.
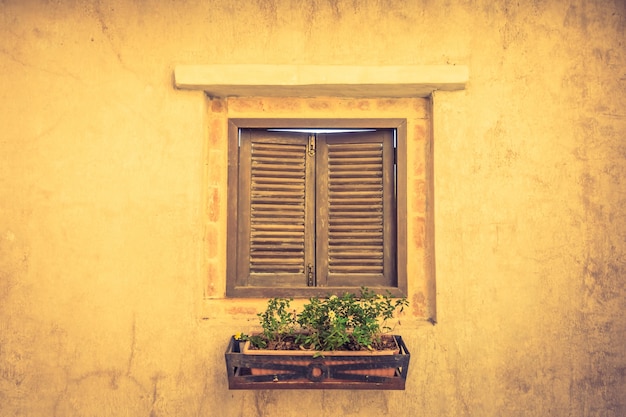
(295, 371)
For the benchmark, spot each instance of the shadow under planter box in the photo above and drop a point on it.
(303, 370)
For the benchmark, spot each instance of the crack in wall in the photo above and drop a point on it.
(133, 341)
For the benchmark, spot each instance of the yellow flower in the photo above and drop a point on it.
(238, 336)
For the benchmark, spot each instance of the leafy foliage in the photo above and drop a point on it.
(348, 322)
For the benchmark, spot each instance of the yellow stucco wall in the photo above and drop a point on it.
(105, 200)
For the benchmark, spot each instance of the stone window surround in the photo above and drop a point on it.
(222, 81)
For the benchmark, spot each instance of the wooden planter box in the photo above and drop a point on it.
(298, 371)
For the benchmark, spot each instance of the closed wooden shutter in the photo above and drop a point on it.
(356, 209)
(276, 240)
(328, 209)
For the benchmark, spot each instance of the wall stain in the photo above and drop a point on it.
(103, 393)
(11, 373)
(107, 392)
(263, 399)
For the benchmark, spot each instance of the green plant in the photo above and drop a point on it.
(278, 322)
(347, 322)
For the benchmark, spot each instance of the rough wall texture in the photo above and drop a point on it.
(103, 204)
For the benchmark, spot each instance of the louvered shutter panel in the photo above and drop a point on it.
(274, 244)
(356, 209)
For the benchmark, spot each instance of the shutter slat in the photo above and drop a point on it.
(355, 241)
(349, 208)
(374, 237)
(356, 220)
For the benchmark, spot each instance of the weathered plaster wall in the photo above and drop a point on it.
(103, 204)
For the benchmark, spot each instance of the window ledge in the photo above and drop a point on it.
(320, 80)
(240, 314)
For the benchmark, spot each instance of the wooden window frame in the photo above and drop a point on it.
(234, 126)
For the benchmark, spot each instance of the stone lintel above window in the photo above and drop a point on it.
(321, 80)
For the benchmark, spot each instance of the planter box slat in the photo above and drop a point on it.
(301, 372)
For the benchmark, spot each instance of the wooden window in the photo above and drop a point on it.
(315, 211)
